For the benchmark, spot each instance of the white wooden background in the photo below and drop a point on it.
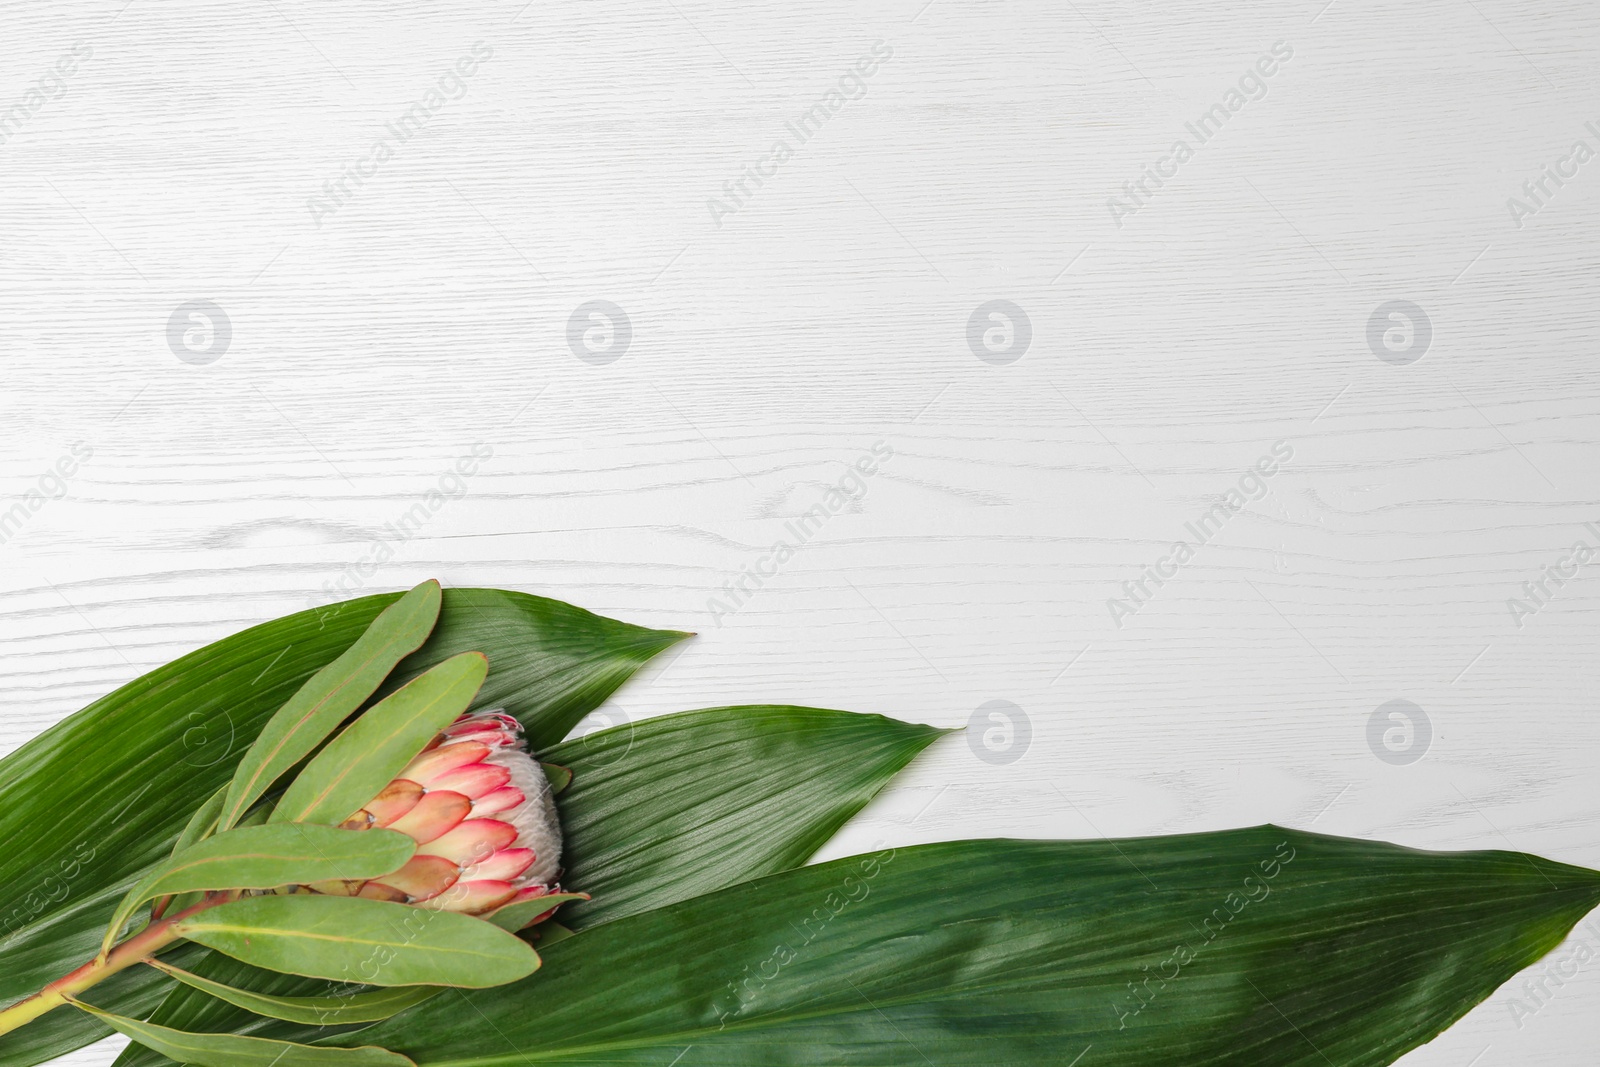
(429, 314)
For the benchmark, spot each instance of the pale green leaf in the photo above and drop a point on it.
(514, 917)
(265, 857)
(350, 939)
(367, 754)
(228, 1050)
(331, 695)
(359, 1007)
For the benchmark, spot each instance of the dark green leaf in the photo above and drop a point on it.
(370, 752)
(1265, 947)
(226, 1050)
(676, 806)
(87, 805)
(265, 857)
(331, 695)
(350, 939)
(363, 1007)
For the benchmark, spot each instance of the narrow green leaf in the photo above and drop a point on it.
(87, 805)
(367, 754)
(203, 823)
(228, 1050)
(361, 1007)
(331, 695)
(349, 939)
(265, 857)
(560, 777)
(1264, 946)
(514, 917)
(679, 805)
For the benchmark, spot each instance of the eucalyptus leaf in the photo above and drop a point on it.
(350, 939)
(203, 823)
(91, 802)
(228, 1050)
(559, 777)
(265, 857)
(331, 695)
(360, 1007)
(1264, 946)
(514, 917)
(356, 765)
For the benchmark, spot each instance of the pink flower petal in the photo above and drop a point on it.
(435, 815)
(472, 842)
(422, 878)
(430, 765)
(504, 865)
(475, 780)
(472, 898)
(397, 798)
(503, 799)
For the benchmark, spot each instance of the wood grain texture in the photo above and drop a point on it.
(770, 349)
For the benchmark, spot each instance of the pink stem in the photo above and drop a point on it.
(147, 942)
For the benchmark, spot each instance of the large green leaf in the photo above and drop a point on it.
(1266, 947)
(351, 939)
(330, 696)
(226, 1050)
(659, 811)
(370, 752)
(90, 803)
(680, 805)
(264, 857)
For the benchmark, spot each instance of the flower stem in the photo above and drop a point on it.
(147, 942)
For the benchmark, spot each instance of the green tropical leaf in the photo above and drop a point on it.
(332, 695)
(91, 802)
(367, 754)
(227, 1050)
(349, 939)
(1264, 946)
(733, 793)
(265, 857)
(680, 805)
(362, 1007)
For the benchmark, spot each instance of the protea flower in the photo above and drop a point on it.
(483, 815)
